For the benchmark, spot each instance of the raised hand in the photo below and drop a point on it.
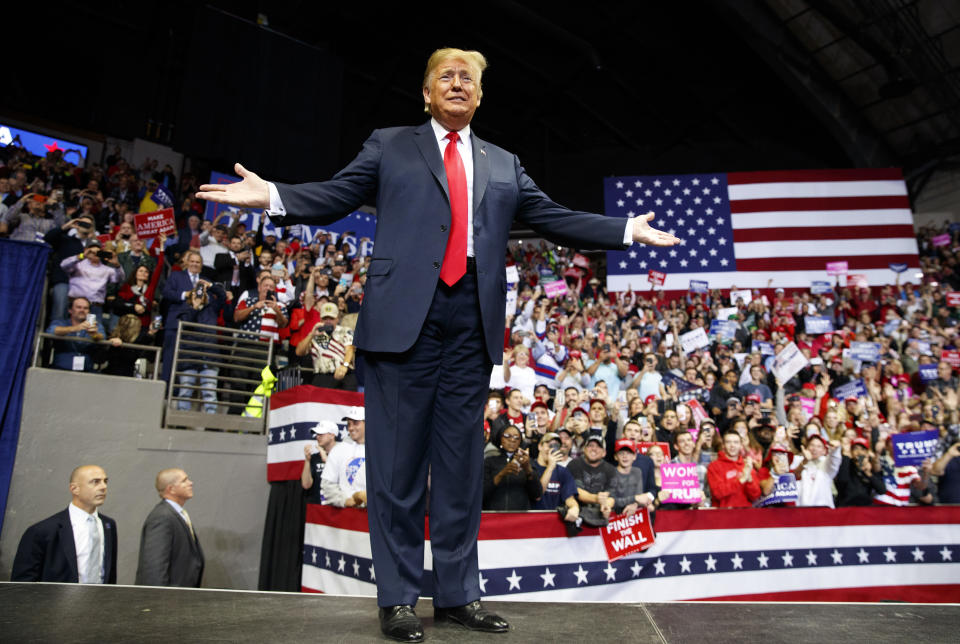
(250, 192)
(643, 233)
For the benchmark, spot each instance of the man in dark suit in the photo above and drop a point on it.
(433, 315)
(76, 545)
(193, 299)
(235, 268)
(170, 552)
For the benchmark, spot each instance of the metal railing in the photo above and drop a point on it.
(43, 353)
(238, 357)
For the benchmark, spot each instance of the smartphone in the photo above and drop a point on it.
(92, 319)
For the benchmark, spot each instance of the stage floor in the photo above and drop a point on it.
(74, 613)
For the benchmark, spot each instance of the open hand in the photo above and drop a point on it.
(250, 192)
(643, 233)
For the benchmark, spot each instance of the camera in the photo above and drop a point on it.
(84, 223)
(105, 255)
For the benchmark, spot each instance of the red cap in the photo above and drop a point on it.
(644, 340)
(575, 354)
(625, 443)
(836, 360)
(850, 399)
(598, 400)
(810, 386)
(539, 403)
(777, 447)
(752, 398)
(649, 399)
(862, 442)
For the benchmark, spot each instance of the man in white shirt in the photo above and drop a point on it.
(344, 478)
(76, 545)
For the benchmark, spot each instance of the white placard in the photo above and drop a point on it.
(788, 362)
(693, 340)
(513, 275)
(512, 302)
(744, 294)
(725, 313)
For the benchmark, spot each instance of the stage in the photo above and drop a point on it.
(74, 613)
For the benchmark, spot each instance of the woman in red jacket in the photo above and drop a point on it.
(136, 294)
(733, 481)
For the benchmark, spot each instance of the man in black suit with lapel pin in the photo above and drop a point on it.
(432, 314)
(76, 545)
(170, 552)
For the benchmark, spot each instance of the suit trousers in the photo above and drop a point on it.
(424, 416)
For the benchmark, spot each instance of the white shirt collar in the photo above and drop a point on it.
(79, 515)
(176, 506)
(441, 132)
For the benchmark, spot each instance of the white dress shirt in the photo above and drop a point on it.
(179, 508)
(80, 521)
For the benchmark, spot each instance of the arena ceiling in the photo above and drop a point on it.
(577, 90)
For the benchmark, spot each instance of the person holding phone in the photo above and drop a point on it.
(559, 488)
(90, 271)
(509, 482)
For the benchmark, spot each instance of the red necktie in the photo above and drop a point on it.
(455, 257)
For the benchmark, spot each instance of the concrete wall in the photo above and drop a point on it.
(73, 419)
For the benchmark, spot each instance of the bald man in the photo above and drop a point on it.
(170, 553)
(77, 545)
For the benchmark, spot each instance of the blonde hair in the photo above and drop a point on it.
(128, 328)
(473, 59)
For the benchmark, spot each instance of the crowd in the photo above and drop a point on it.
(109, 288)
(596, 391)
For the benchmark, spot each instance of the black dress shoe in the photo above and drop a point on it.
(473, 616)
(401, 623)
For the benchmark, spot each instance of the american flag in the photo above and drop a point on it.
(294, 413)
(769, 554)
(745, 228)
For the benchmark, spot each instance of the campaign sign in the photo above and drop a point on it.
(743, 294)
(808, 406)
(725, 312)
(852, 389)
(656, 277)
(556, 288)
(817, 324)
(952, 356)
(151, 224)
(723, 329)
(865, 351)
(912, 448)
(624, 535)
(511, 302)
(891, 327)
(923, 346)
(513, 275)
(941, 240)
(765, 348)
(953, 298)
(858, 280)
(784, 491)
(788, 362)
(643, 448)
(836, 268)
(681, 481)
(699, 413)
(898, 267)
(693, 340)
(928, 372)
(819, 286)
(698, 286)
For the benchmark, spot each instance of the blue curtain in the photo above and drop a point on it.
(22, 269)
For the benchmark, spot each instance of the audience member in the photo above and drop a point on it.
(344, 479)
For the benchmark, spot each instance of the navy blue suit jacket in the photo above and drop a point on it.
(47, 551)
(401, 170)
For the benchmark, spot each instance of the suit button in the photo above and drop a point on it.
(443, 228)
(436, 264)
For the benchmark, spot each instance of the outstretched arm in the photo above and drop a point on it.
(250, 192)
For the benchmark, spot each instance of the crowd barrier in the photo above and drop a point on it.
(773, 554)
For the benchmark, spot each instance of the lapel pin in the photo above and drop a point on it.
(483, 151)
